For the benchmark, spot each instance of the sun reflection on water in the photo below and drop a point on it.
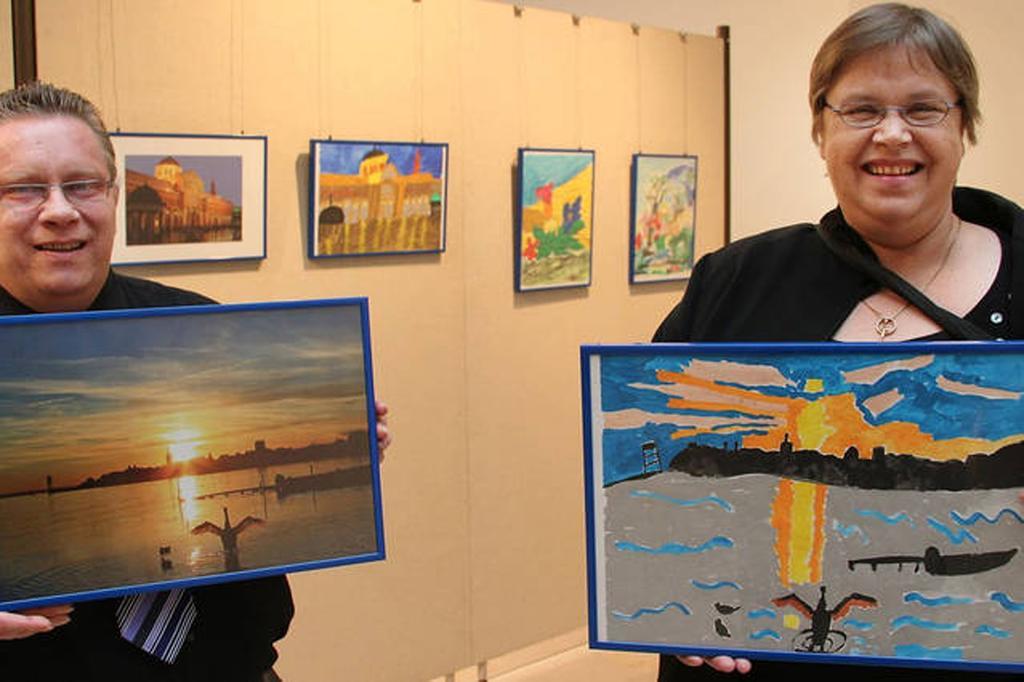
(188, 490)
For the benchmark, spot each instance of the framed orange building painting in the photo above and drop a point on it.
(848, 502)
(374, 198)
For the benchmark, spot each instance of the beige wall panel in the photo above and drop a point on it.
(6, 47)
(523, 395)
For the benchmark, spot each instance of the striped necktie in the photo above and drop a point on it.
(157, 622)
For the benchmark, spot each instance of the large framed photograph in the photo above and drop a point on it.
(190, 198)
(147, 449)
(554, 218)
(663, 209)
(375, 198)
(840, 503)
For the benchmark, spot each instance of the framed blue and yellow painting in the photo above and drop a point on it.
(663, 217)
(554, 219)
(836, 503)
(376, 198)
(146, 449)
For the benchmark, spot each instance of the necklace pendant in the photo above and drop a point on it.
(885, 326)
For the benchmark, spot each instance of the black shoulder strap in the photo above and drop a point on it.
(852, 250)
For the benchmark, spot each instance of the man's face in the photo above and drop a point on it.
(54, 256)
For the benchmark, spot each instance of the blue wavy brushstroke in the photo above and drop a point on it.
(978, 516)
(858, 624)
(770, 634)
(762, 613)
(992, 630)
(675, 547)
(950, 653)
(913, 621)
(1004, 600)
(846, 531)
(653, 612)
(710, 499)
(935, 601)
(714, 586)
(891, 520)
(957, 537)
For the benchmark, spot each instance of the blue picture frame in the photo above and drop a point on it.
(834, 503)
(187, 198)
(172, 447)
(377, 198)
(662, 217)
(553, 244)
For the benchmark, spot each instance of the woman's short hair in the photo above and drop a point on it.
(894, 24)
(44, 99)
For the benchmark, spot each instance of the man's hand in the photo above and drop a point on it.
(33, 621)
(383, 435)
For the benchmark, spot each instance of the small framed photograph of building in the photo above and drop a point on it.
(374, 198)
(189, 198)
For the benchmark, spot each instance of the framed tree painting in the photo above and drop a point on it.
(836, 503)
(554, 218)
(190, 198)
(663, 206)
(164, 447)
(374, 198)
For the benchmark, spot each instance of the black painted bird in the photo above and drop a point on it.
(726, 609)
(822, 617)
(720, 628)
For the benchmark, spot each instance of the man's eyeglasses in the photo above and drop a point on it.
(924, 113)
(32, 195)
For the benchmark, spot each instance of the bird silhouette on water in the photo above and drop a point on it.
(228, 535)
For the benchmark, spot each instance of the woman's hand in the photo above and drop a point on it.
(33, 621)
(723, 664)
(383, 435)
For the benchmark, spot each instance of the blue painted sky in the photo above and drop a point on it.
(541, 167)
(947, 396)
(226, 170)
(89, 397)
(344, 157)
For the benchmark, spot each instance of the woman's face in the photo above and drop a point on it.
(894, 181)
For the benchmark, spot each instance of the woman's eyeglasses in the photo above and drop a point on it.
(924, 113)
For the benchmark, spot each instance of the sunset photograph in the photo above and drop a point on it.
(174, 444)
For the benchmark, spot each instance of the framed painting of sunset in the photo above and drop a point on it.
(839, 503)
(165, 447)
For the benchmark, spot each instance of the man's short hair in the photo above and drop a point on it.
(45, 99)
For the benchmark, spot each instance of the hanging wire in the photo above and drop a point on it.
(523, 92)
(241, 66)
(686, 92)
(639, 91)
(320, 90)
(420, 76)
(113, 67)
(232, 77)
(579, 81)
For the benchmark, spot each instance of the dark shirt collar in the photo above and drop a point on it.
(9, 305)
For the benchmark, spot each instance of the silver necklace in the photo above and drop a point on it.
(885, 325)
